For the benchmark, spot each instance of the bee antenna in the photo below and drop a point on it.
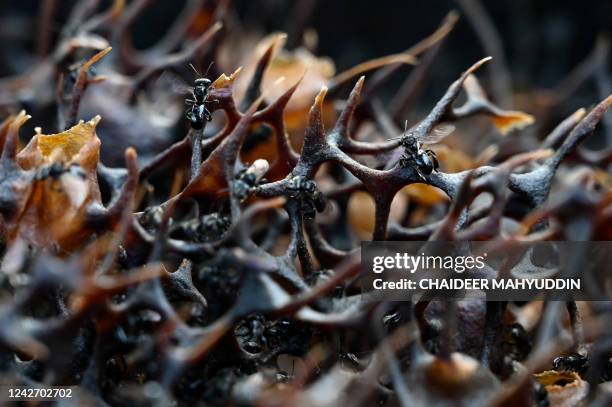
(195, 70)
(208, 69)
(404, 134)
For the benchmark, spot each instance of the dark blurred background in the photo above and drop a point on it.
(543, 40)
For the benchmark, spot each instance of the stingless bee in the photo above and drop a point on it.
(249, 178)
(424, 161)
(576, 362)
(197, 105)
(197, 111)
(206, 228)
(305, 191)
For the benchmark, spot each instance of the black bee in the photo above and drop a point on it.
(576, 362)
(515, 341)
(249, 178)
(423, 161)
(310, 198)
(151, 218)
(197, 111)
(206, 228)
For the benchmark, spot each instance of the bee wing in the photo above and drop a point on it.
(164, 98)
(168, 81)
(437, 134)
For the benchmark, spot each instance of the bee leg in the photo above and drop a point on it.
(416, 169)
(207, 115)
(434, 159)
(420, 174)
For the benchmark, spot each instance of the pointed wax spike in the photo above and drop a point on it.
(477, 65)
(281, 102)
(225, 81)
(319, 100)
(440, 109)
(12, 137)
(315, 134)
(277, 42)
(349, 109)
(131, 159)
